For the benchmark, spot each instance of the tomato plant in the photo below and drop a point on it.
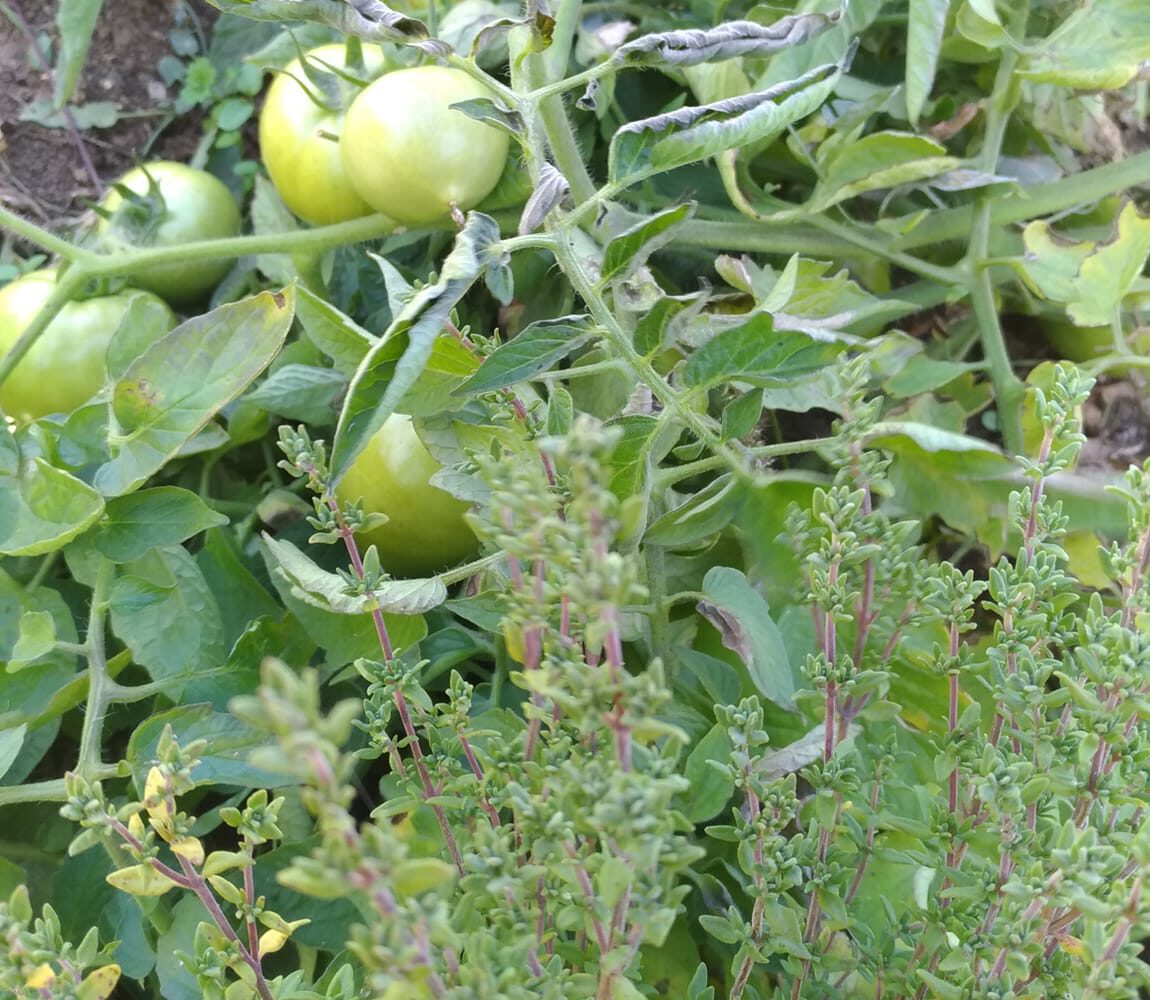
(299, 133)
(1089, 343)
(425, 529)
(65, 367)
(410, 155)
(164, 204)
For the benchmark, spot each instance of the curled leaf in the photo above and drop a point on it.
(725, 41)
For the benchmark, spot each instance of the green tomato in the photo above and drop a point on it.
(302, 161)
(66, 366)
(425, 530)
(174, 204)
(410, 156)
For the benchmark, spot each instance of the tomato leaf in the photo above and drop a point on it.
(338, 336)
(743, 619)
(164, 515)
(534, 350)
(1101, 46)
(706, 513)
(302, 393)
(166, 614)
(877, 162)
(757, 353)
(725, 41)
(549, 193)
(42, 508)
(632, 247)
(711, 787)
(1089, 278)
(654, 145)
(394, 363)
(926, 25)
(329, 592)
(174, 388)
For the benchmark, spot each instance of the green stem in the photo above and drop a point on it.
(42, 238)
(53, 790)
(782, 240)
(558, 53)
(575, 82)
(656, 564)
(87, 265)
(1082, 188)
(676, 473)
(565, 151)
(99, 683)
(946, 276)
(1008, 389)
(92, 265)
(621, 344)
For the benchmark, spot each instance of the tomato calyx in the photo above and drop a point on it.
(137, 218)
(325, 83)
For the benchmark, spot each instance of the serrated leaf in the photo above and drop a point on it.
(338, 336)
(926, 25)
(328, 592)
(757, 353)
(654, 145)
(632, 247)
(166, 614)
(301, 393)
(393, 365)
(651, 330)
(174, 389)
(42, 508)
(1102, 45)
(743, 619)
(689, 47)
(1089, 278)
(162, 516)
(534, 350)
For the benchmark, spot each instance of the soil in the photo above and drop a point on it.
(42, 170)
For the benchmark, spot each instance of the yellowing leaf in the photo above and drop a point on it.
(41, 977)
(140, 880)
(272, 941)
(99, 984)
(1089, 278)
(1101, 46)
(188, 848)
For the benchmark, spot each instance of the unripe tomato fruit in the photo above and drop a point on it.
(425, 531)
(66, 366)
(305, 165)
(410, 156)
(191, 205)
